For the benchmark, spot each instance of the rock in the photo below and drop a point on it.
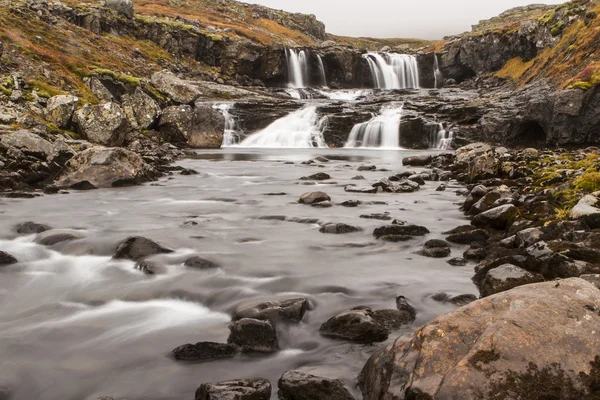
(240, 389)
(60, 109)
(417, 161)
(507, 346)
(441, 188)
(6, 259)
(106, 167)
(339, 228)
(314, 197)
(587, 211)
(147, 267)
(460, 300)
(253, 335)
(392, 319)
(417, 178)
(360, 189)
(28, 228)
(55, 236)
(178, 90)
(467, 154)
(29, 143)
(467, 234)
(594, 279)
(323, 204)
(528, 237)
(506, 277)
(297, 385)
(497, 218)
(141, 109)
(457, 262)
(200, 263)
(367, 168)
(404, 229)
(83, 185)
(287, 310)
(123, 7)
(403, 306)
(105, 124)
(351, 203)
(485, 203)
(436, 248)
(569, 102)
(200, 127)
(355, 325)
(382, 217)
(137, 248)
(204, 351)
(321, 176)
(321, 159)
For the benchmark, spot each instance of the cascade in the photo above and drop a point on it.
(298, 65)
(393, 71)
(301, 129)
(443, 139)
(437, 73)
(231, 136)
(382, 131)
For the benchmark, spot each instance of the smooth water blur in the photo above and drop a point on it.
(76, 325)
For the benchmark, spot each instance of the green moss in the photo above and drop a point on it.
(43, 94)
(580, 85)
(106, 72)
(547, 17)
(156, 93)
(5, 91)
(213, 37)
(130, 80)
(588, 182)
(557, 29)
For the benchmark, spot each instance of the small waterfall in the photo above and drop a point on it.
(231, 136)
(300, 129)
(439, 78)
(393, 71)
(444, 138)
(298, 65)
(382, 131)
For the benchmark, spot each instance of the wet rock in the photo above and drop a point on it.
(60, 109)
(467, 234)
(436, 248)
(506, 277)
(475, 254)
(136, 248)
(240, 389)
(188, 172)
(460, 300)
(297, 385)
(147, 267)
(471, 353)
(527, 237)
(287, 310)
(396, 238)
(441, 188)
(358, 178)
(360, 189)
(83, 185)
(322, 204)
(314, 197)
(52, 237)
(403, 306)
(402, 229)
(273, 217)
(485, 203)
(380, 216)
(339, 228)
(105, 124)
(417, 161)
(367, 168)
(351, 203)
(321, 176)
(106, 167)
(180, 91)
(355, 325)
(417, 178)
(321, 159)
(204, 351)
(497, 218)
(29, 143)
(253, 335)
(197, 262)
(123, 7)
(29, 228)
(6, 259)
(392, 319)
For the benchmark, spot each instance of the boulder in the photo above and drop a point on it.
(137, 248)
(320, 176)
(360, 189)
(29, 143)
(123, 7)
(204, 351)
(55, 236)
(392, 320)
(287, 310)
(403, 306)
(467, 234)
(178, 90)
(355, 325)
(497, 218)
(314, 197)
(468, 153)
(141, 110)
(506, 277)
(532, 342)
(528, 237)
(60, 109)
(106, 167)
(436, 248)
(253, 335)
(201, 127)
(459, 300)
(105, 124)
(339, 228)
(197, 262)
(417, 161)
(29, 227)
(297, 385)
(6, 259)
(587, 211)
(400, 229)
(240, 389)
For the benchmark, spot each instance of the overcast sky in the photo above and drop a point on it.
(425, 19)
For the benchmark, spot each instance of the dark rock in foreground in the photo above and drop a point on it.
(506, 277)
(242, 389)
(204, 351)
(403, 229)
(297, 385)
(197, 262)
(7, 259)
(355, 325)
(253, 335)
(339, 229)
(28, 228)
(531, 342)
(314, 197)
(137, 248)
(288, 310)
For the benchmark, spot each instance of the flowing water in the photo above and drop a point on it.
(437, 74)
(443, 139)
(393, 71)
(299, 68)
(76, 325)
(383, 131)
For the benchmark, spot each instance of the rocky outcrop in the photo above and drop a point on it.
(123, 7)
(239, 389)
(105, 124)
(60, 109)
(199, 126)
(141, 110)
(471, 352)
(297, 385)
(28, 143)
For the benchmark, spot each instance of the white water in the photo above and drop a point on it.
(345, 95)
(298, 64)
(444, 138)
(300, 129)
(437, 73)
(230, 136)
(383, 131)
(393, 71)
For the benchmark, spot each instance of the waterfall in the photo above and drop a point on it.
(382, 131)
(444, 138)
(301, 129)
(393, 71)
(298, 66)
(437, 74)
(231, 136)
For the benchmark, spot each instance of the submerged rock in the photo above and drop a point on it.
(402, 229)
(532, 342)
(197, 262)
(52, 237)
(28, 228)
(204, 351)
(6, 259)
(287, 310)
(436, 248)
(297, 385)
(314, 197)
(339, 228)
(321, 176)
(253, 335)
(136, 248)
(355, 325)
(240, 389)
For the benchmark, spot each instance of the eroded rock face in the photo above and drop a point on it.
(200, 127)
(239, 389)
(106, 167)
(123, 7)
(531, 342)
(297, 385)
(105, 124)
